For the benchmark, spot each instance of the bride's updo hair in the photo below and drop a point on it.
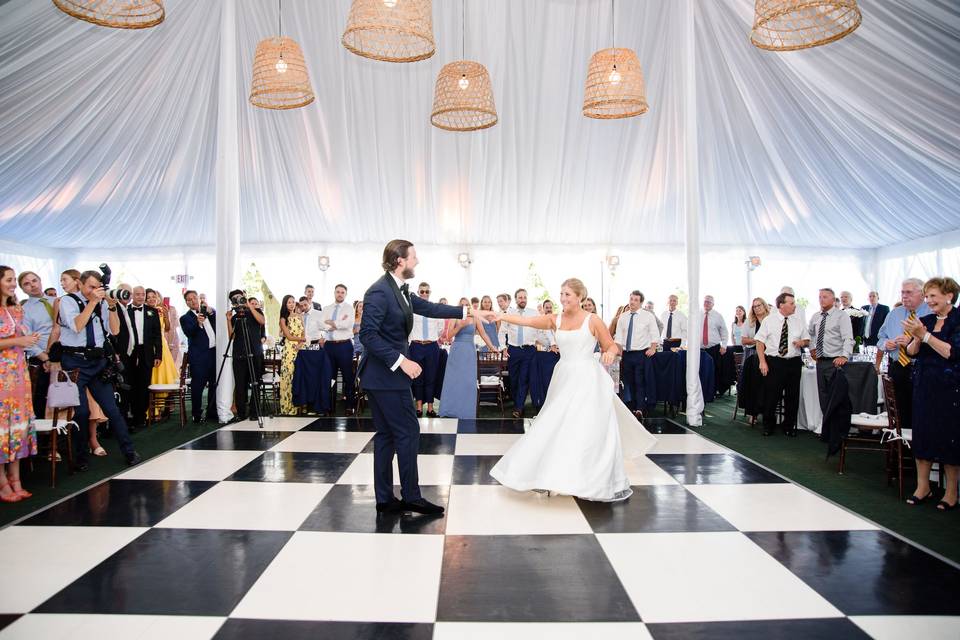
(577, 286)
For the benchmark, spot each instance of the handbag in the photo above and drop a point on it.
(63, 392)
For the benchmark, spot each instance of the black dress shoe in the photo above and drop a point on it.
(419, 413)
(81, 466)
(431, 414)
(422, 506)
(134, 459)
(768, 432)
(394, 506)
(197, 420)
(517, 414)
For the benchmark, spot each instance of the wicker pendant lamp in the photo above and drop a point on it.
(463, 95)
(119, 14)
(788, 25)
(280, 78)
(390, 30)
(614, 87)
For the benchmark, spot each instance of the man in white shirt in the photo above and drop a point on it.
(674, 324)
(503, 301)
(520, 353)
(831, 342)
(314, 328)
(780, 342)
(425, 351)
(713, 338)
(637, 335)
(337, 319)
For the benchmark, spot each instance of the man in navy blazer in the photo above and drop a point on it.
(876, 314)
(386, 373)
(199, 324)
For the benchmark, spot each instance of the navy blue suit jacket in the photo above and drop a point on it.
(197, 341)
(384, 330)
(878, 317)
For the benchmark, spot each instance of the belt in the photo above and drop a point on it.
(338, 341)
(90, 353)
(423, 341)
(525, 346)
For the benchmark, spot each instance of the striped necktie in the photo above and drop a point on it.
(902, 357)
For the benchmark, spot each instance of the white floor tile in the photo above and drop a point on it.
(349, 576)
(271, 424)
(278, 506)
(496, 510)
(775, 507)
(530, 630)
(642, 470)
(687, 577)
(62, 626)
(484, 444)
(184, 464)
(896, 627)
(438, 425)
(433, 470)
(324, 442)
(40, 561)
(684, 443)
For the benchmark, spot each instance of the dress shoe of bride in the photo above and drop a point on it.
(422, 506)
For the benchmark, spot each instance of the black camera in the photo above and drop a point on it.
(204, 311)
(113, 373)
(117, 295)
(238, 299)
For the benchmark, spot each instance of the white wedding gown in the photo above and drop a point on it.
(577, 443)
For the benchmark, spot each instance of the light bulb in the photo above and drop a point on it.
(614, 76)
(281, 65)
(463, 82)
(389, 4)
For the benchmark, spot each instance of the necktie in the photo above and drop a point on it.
(91, 339)
(630, 330)
(670, 326)
(336, 312)
(520, 331)
(820, 332)
(706, 329)
(46, 303)
(783, 339)
(903, 358)
(426, 329)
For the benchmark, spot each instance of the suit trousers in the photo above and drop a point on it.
(203, 375)
(518, 366)
(398, 433)
(783, 379)
(633, 376)
(102, 392)
(138, 372)
(428, 357)
(341, 357)
(903, 388)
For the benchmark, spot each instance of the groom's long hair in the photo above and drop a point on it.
(395, 250)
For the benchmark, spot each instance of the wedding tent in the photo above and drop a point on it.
(838, 164)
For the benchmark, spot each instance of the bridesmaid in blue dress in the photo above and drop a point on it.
(489, 328)
(459, 396)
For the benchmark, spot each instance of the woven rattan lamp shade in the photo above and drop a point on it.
(272, 89)
(788, 25)
(120, 14)
(614, 87)
(390, 30)
(463, 108)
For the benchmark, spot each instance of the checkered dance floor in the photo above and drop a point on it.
(253, 534)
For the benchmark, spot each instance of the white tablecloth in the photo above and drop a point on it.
(809, 417)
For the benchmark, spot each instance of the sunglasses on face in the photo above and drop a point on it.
(426, 291)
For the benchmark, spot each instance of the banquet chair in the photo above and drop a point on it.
(490, 378)
(60, 425)
(738, 365)
(165, 396)
(361, 399)
(270, 382)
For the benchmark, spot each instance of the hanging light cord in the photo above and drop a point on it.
(280, 25)
(463, 30)
(613, 33)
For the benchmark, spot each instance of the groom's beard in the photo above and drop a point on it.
(407, 273)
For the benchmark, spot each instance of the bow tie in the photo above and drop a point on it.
(405, 289)
(137, 308)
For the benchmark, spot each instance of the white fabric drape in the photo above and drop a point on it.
(691, 207)
(108, 137)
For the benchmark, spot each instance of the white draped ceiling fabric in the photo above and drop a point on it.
(109, 137)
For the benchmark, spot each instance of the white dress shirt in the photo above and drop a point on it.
(645, 330)
(529, 334)
(545, 337)
(424, 328)
(679, 327)
(769, 334)
(313, 326)
(135, 340)
(342, 315)
(837, 334)
(716, 330)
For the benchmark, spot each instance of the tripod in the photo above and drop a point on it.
(254, 381)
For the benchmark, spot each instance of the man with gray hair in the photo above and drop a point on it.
(893, 340)
(846, 302)
(831, 340)
(713, 336)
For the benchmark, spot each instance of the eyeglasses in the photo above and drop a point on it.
(426, 291)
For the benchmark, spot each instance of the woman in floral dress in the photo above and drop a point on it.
(291, 328)
(18, 437)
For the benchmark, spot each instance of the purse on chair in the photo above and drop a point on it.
(63, 392)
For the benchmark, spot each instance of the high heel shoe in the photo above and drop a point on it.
(13, 497)
(21, 492)
(944, 506)
(915, 500)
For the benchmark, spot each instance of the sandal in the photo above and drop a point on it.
(10, 497)
(915, 500)
(944, 506)
(22, 493)
(100, 451)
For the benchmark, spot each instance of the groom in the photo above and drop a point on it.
(386, 373)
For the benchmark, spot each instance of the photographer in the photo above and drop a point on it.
(244, 323)
(199, 324)
(83, 319)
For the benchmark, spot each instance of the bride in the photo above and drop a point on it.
(577, 443)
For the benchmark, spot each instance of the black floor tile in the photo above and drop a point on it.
(713, 468)
(352, 508)
(287, 466)
(430, 444)
(474, 469)
(546, 578)
(867, 572)
(832, 628)
(238, 440)
(664, 425)
(201, 572)
(650, 509)
(246, 629)
(494, 426)
(7, 619)
(363, 425)
(122, 503)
